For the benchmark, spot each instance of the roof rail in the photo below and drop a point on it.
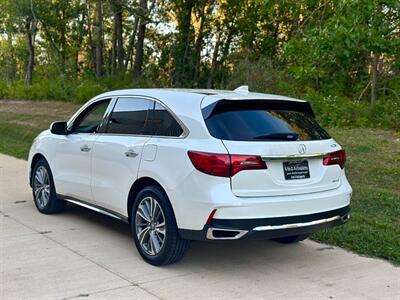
(244, 90)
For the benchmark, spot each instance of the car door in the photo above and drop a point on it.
(74, 151)
(118, 151)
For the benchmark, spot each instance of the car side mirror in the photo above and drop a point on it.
(59, 128)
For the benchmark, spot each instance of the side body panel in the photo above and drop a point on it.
(188, 190)
(70, 166)
(114, 169)
(73, 166)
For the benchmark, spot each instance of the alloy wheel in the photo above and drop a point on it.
(150, 226)
(41, 187)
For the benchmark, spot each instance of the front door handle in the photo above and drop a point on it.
(131, 153)
(85, 148)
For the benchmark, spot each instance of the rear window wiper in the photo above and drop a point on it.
(281, 136)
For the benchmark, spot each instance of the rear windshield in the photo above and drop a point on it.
(263, 121)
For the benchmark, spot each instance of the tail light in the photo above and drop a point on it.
(211, 163)
(335, 158)
(225, 165)
(246, 162)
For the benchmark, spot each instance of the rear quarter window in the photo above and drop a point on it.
(162, 123)
(261, 121)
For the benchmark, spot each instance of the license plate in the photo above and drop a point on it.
(296, 169)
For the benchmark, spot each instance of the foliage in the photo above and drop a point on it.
(339, 54)
(63, 89)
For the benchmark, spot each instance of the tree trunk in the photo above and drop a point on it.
(375, 78)
(227, 45)
(225, 51)
(99, 39)
(214, 62)
(11, 64)
(63, 43)
(132, 38)
(317, 79)
(198, 47)
(78, 42)
(120, 41)
(183, 67)
(92, 50)
(30, 28)
(139, 51)
(117, 53)
(114, 49)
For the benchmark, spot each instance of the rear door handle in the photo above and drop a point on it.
(85, 148)
(131, 153)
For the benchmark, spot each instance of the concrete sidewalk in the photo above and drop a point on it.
(79, 254)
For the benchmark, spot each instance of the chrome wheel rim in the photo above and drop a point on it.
(41, 187)
(150, 226)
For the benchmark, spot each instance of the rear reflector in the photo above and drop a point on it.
(335, 158)
(211, 216)
(225, 165)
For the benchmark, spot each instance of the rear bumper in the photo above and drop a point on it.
(194, 199)
(268, 228)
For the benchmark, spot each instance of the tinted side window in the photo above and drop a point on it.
(129, 116)
(90, 119)
(162, 123)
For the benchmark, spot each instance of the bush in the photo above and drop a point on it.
(336, 111)
(3, 90)
(331, 110)
(87, 90)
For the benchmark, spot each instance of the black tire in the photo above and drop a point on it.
(173, 247)
(53, 205)
(292, 239)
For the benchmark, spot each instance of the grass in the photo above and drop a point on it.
(21, 121)
(373, 169)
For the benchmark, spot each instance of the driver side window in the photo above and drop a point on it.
(90, 119)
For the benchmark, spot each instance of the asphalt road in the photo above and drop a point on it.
(82, 255)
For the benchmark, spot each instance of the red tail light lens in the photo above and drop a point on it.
(225, 165)
(246, 162)
(335, 158)
(211, 163)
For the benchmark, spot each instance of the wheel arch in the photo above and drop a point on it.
(137, 186)
(35, 159)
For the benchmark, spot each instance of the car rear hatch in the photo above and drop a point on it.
(286, 137)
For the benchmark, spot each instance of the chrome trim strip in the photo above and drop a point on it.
(210, 235)
(293, 156)
(96, 209)
(296, 225)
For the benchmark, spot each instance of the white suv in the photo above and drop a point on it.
(181, 165)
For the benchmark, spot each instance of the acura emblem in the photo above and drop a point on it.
(302, 148)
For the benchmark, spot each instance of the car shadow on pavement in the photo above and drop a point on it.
(247, 254)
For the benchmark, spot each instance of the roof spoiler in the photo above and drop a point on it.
(232, 105)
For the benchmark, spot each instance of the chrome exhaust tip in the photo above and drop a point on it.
(345, 218)
(225, 234)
